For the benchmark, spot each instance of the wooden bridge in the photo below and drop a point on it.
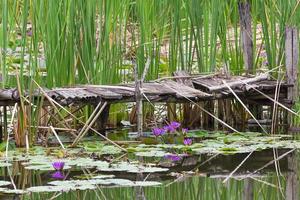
(179, 89)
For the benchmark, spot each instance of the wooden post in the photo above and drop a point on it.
(5, 123)
(138, 100)
(102, 120)
(247, 46)
(291, 63)
(246, 34)
(291, 59)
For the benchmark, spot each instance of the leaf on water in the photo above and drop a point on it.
(5, 164)
(104, 176)
(4, 183)
(121, 182)
(228, 149)
(44, 167)
(151, 154)
(110, 150)
(12, 191)
(49, 188)
(132, 168)
(146, 183)
(148, 170)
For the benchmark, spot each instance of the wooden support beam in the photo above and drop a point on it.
(291, 62)
(246, 34)
(103, 118)
(138, 100)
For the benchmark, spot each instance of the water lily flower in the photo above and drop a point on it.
(184, 130)
(58, 165)
(187, 141)
(158, 131)
(173, 157)
(175, 125)
(169, 128)
(57, 175)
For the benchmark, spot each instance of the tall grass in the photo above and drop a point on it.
(77, 42)
(87, 42)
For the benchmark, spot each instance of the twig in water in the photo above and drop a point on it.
(55, 134)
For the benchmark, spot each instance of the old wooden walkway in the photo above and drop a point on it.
(173, 89)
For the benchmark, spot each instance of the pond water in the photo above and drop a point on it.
(214, 166)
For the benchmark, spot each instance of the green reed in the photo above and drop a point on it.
(96, 41)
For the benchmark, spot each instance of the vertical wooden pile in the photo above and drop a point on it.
(246, 34)
(247, 46)
(291, 62)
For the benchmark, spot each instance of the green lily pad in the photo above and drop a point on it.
(4, 183)
(151, 153)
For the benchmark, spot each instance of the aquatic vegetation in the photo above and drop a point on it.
(158, 131)
(58, 165)
(4, 183)
(169, 132)
(187, 141)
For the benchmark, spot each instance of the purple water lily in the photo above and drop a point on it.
(175, 125)
(169, 129)
(172, 127)
(158, 131)
(57, 175)
(173, 157)
(58, 165)
(187, 141)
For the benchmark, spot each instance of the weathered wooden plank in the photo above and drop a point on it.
(7, 94)
(124, 91)
(215, 84)
(76, 93)
(206, 83)
(104, 93)
(156, 89)
(183, 91)
(185, 81)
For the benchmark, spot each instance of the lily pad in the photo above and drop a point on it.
(151, 154)
(104, 176)
(4, 183)
(12, 191)
(5, 164)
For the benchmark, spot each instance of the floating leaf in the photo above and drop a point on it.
(5, 164)
(151, 154)
(4, 183)
(103, 176)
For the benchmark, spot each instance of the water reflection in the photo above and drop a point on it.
(194, 177)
